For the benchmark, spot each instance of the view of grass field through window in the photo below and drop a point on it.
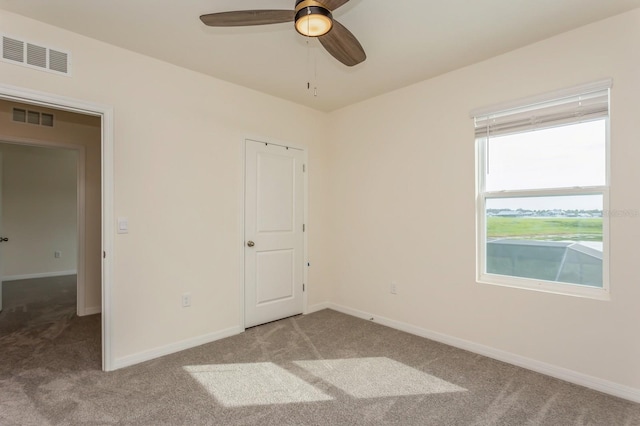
(545, 228)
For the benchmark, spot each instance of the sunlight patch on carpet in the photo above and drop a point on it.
(264, 383)
(376, 377)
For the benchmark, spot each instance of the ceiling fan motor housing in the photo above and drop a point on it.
(299, 4)
(312, 19)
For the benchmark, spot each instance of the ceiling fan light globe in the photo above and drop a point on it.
(313, 21)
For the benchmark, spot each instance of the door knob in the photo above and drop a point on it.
(3, 239)
(251, 243)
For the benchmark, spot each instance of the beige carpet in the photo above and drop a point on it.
(321, 369)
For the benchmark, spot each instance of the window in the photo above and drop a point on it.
(542, 192)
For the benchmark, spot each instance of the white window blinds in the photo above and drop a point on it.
(582, 103)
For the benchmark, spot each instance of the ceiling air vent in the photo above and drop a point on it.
(31, 55)
(58, 61)
(47, 119)
(12, 50)
(36, 55)
(20, 115)
(32, 117)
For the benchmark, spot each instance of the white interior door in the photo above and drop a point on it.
(274, 240)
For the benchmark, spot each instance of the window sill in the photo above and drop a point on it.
(574, 290)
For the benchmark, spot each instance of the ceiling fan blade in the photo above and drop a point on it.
(343, 45)
(243, 18)
(333, 4)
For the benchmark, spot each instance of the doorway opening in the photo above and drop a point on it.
(50, 202)
(95, 180)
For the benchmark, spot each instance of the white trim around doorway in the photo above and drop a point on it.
(19, 94)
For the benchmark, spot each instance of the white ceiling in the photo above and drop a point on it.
(406, 40)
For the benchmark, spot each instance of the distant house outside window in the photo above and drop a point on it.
(542, 192)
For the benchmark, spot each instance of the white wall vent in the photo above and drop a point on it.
(58, 61)
(32, 55)
(21, 115)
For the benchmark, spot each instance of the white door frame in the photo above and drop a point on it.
(241, 199)
(19, 94)
(80, 208)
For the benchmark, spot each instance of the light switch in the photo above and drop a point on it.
(123, 225)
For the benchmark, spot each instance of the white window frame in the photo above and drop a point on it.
(482, 277)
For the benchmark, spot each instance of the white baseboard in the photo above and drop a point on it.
(601, 385)
(139, 357)
(90, 311)
(39, 275)
(317, 307)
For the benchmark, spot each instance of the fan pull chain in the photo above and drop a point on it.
(315, 89)
(311, 78)
(315, 73)
(308, 64)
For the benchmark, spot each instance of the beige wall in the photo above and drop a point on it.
(39, 209)
(178, 167)
(78, 130)
(402, 189)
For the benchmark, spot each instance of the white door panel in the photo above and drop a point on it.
(276, 197)
(275, 276)
(274, 211)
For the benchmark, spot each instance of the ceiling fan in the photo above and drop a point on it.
(312, 19)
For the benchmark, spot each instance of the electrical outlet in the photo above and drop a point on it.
(186, 300)
(393, 288)
(57, 254)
